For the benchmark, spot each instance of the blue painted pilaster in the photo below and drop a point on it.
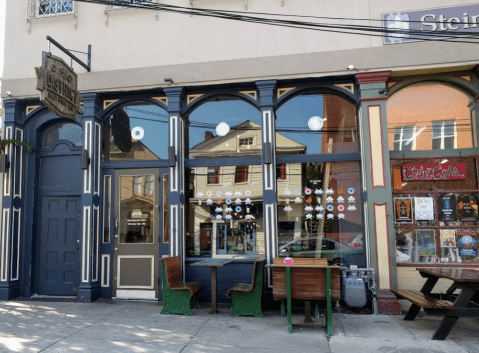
(89, 289)
(176, 212)
(12, 204)
(266, 102)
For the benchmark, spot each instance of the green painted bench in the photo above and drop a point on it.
(247, 296)
(178, 296)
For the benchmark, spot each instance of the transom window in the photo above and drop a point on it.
(404, 137)
(63, 131)
(443, 134)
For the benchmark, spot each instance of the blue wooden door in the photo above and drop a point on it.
(59, 245)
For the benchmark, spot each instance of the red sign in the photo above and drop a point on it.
(433, 171)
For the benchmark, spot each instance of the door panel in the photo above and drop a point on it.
(137, 233)
(59, 247)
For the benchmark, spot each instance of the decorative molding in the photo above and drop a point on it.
(88, 144)
(107, 103)
(376, 146)
(18, 213)
(31, 108)
(105, 270)
(17, 181)
(5, 245)
(251, 94)
(467, 78)
(85, 268)
(152, 278)
(381, 236)
(163, 100)
(373, 99)
(192, 97)
(282, 91)
(96, 235)
(373, 77)
(7, 177)
(392, 83)
(347, 86)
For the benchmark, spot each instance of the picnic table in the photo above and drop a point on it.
(465, 280)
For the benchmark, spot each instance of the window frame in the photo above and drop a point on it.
(442, 136)
(34, 7)
(245, 172)
(402, 141)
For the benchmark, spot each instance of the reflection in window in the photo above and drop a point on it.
(436, 221)
(403, 138)
(136, 132)
(137, 181)
(225, 218)
(244, 122)
(443, 134)
(439, 112)
(241, 174)
(281, 172)
(63, 132)
(214, 175)
(149, 187)
(339, 132)
(137, 216)
(319, 212)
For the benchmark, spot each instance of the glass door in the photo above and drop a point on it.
(138, 233)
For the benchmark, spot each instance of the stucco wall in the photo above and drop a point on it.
(137, 50)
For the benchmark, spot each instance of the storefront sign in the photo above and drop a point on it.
(58, 85)
(409, 26)
(423, 208)
(433, 171)
(402, 209)
(446, 205)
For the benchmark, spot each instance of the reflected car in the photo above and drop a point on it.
(337, 253)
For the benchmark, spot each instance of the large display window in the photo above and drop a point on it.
(319, 212)
(429, 116)
(436, 210)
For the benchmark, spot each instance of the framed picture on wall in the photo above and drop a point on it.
(403, 209)
(424, 208)
(467, 208)
(467, 242)
(426, 242)
(446, 206)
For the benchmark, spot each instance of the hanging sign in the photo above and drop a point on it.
(433, 171)
(58, 84)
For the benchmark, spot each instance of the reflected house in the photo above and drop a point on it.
(210, 231)
(136, 209)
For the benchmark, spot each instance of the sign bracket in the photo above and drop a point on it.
(68, 52)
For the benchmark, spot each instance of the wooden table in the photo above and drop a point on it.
(288, 292)
(213, 263)
(466, 280)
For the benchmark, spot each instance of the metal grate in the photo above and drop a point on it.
(48, 8)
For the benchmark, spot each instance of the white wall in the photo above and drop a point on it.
(201, 50)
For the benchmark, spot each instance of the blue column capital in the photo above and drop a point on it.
(13, 110)
(176, 97)
(266, 90)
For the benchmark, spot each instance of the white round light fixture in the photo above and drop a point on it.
(137, 133)
(316, 123)
(222, 129)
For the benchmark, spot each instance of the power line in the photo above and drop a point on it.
(324, 27)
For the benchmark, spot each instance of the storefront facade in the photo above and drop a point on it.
(228, 164)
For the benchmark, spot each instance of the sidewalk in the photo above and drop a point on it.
(119, 326)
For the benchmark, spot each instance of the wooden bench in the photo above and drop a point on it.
(178, 296)
(425, 301)
(247, 296)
